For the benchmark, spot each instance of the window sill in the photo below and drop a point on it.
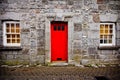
(13, 48)
(108, 47)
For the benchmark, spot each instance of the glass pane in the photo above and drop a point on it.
(8, 36)
(110, 41)
(110, 36)
(101, 27)
(105, 37)
(17, 25)
(101, 41)
(106, 27)
(111, 26)
(8, 41)
(13, 40)
(7, 28)
(111, 31)
(13, 36)
(101, 36)
(12, 28)
(17, 30)
(18, 36)
(105, 41)
(106, 31)
(18, 40)
(7, 25)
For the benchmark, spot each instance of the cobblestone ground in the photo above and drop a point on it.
(58, 73)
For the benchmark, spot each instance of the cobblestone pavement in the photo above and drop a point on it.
(58, 73)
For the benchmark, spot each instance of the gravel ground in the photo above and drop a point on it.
(59, 73)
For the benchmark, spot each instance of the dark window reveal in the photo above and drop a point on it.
(55, 28)
(63, 28)
(59, 28)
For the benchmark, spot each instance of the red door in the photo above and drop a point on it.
(59, 41)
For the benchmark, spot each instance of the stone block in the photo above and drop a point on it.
(107, 52)
(77, 51)
(77, 27)
(96, 18)
(25, 30)
(84, 61)
(94, 34)
(118, 26)
(109, 17)
(40, 51)
(118, 34)
(114, 6)
(102, 7)
(10, 56)
(92, 50)
(102, 1)
(118, 42)
(94, 26)
(77, 35)
(25, 51)
(40, 59)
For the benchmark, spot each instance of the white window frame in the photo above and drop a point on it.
(5, 36)
(113, 35)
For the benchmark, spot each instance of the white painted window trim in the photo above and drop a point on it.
(5, 37)
(113, 38)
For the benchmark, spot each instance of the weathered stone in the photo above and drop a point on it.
(102, 7)
(114, 7)
(84, 61)
(96, 18)
(92, 50)
(25, 51)
(77, 27)
(41, 51)
(102, 1)
(9, 57)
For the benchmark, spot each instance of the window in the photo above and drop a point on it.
(107, 34)
(11, 33)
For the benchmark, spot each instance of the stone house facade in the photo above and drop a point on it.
(91, 29)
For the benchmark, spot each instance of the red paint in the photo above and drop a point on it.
(59, 41)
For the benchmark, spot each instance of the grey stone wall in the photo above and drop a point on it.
(83, 16)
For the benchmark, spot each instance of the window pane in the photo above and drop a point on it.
(111, 31)
(18, 40)
(105, 41)
(111, 26)
(18, 36)
(8, 36)
(13, 36)
(101, 41)
(110, 41)
(13, 40)
(17, 26)
(8, 40)
(7, 28)
(106, 27)
(12, 28)
(17, 30)
(101, 36)
(101, 27)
